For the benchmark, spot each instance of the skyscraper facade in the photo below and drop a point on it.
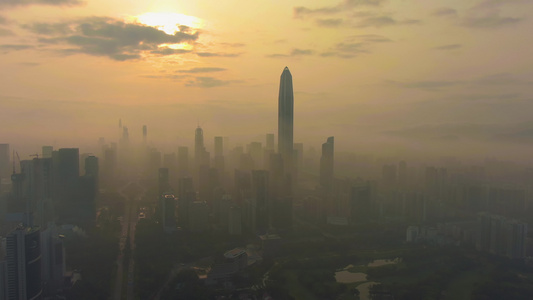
(326, 165)
(285, 118)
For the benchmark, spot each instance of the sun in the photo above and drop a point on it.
(169, 22)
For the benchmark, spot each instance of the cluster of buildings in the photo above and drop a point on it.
(44, 191)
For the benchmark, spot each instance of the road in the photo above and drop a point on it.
(128, 223)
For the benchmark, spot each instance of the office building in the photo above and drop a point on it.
(23, 264)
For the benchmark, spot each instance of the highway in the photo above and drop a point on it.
(128, 223)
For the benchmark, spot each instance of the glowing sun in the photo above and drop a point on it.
(169, 22)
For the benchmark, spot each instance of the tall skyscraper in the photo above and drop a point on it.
(201, 156)
(23, 257)
(285, 118)
(326, 165)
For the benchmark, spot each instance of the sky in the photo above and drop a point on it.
(397, 76)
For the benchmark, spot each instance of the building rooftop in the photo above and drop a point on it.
(234, 253)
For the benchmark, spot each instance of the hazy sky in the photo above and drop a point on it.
(377, 74)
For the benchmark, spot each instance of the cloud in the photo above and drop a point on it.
(208, 82)
(6, 32)
(302, 11)
(201, 70)
(234, 45)
(346, 50)
(449, 47)
(294, 52)
(444, 12)
(425, 85)
(3, 20)
(169, 51)
(110, 37)
(329, 22)
(50, 29)
(490, 21)
(500, 79)
(382, 21)
(16, 3)
(371, 38)
(14, 47)
(217, 54)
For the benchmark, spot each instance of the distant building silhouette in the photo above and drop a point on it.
(4, 160)
(285, 118)
(183, 161)
(326, 165)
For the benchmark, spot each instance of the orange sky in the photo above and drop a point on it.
(376, 74)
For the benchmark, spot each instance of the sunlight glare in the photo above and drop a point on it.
(169, 22)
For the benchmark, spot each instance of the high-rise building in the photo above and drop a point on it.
(47, 151)
(4, 159)
(326, 165)
(23, 264)
(168, 212)
(199, 147)
(219, 154)
(183, 161)
(285, 118)
(186, 195)
(270, 141)
(260, 217)
(163, 181)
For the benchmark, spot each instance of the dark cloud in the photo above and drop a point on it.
(16, 3)
(110, 37)
(490, 21)
(217, 54)
(449, 47)
(444, 12)
(294, 52)
(3, 20)
(329, 22)
(208, 82)
(50, 29)
(202, 70)
(169, 51)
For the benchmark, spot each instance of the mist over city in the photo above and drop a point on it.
(343, 149)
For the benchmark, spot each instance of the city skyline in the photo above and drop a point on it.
(405, 76)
